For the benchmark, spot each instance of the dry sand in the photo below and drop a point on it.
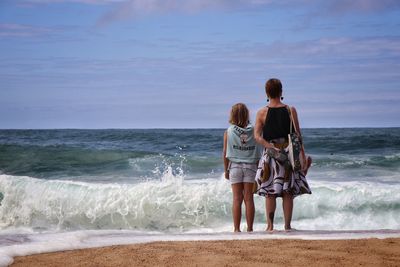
(271, 252)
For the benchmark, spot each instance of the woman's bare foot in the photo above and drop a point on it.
(308, 165)
(236, 231)
(270, 229)
(288, 228)
(249, 230)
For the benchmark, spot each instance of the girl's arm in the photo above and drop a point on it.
(226, 161)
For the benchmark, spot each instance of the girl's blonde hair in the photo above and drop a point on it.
(239, 115)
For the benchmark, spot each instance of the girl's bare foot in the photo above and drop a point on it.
(236, 231)
(270, 229)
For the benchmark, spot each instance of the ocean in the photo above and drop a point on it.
(170, 182)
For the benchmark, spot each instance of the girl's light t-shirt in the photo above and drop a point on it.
(241, 145)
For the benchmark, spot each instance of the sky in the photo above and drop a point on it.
(184, 63)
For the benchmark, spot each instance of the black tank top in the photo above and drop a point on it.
(277, 123)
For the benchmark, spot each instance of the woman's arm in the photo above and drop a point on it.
(297, 125)
(258, 129)
(226, 161)
(295, 120)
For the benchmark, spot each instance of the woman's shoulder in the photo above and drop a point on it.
(262, 111)
(265, 108)
(292, 109)
(287, 107)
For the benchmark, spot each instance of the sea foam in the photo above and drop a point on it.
(173, 205)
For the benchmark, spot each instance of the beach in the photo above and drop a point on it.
(271, 252)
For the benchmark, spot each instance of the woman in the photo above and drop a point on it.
(275, 177)
(241, 154)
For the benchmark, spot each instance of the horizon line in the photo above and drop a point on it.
(182, 128)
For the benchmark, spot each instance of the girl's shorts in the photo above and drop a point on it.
(242, 172)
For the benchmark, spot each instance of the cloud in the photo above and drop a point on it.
(327, 62)
(341, 75)
(340, 48)
(21, 30)
(150, 6)
(170, 3)
(138, 8)
(89, 2)
(369, 6)
(127, 9)
(349, 62)
(42, 34)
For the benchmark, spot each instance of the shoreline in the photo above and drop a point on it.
(274, 252)
(26, 246)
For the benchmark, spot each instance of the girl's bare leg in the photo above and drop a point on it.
(237, 190)
(249, 203)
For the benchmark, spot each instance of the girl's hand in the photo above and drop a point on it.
(227, 175)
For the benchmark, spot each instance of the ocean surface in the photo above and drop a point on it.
(170, 181)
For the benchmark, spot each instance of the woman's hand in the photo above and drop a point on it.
(271, 146)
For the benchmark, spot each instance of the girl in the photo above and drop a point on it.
(241, 154)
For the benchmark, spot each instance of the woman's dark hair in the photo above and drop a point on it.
(273, 88)
(239, 115)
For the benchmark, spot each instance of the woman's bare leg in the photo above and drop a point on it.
(249, 202)
(287, 204)
(237, 190)
(270, 203)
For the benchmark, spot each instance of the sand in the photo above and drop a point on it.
(271, 252)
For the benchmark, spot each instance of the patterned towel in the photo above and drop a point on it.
(274, 178)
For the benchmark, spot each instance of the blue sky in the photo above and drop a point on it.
(176, 63)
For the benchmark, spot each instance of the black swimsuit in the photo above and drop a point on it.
(277, 123)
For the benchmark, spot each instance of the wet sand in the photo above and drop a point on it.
(271, 252)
